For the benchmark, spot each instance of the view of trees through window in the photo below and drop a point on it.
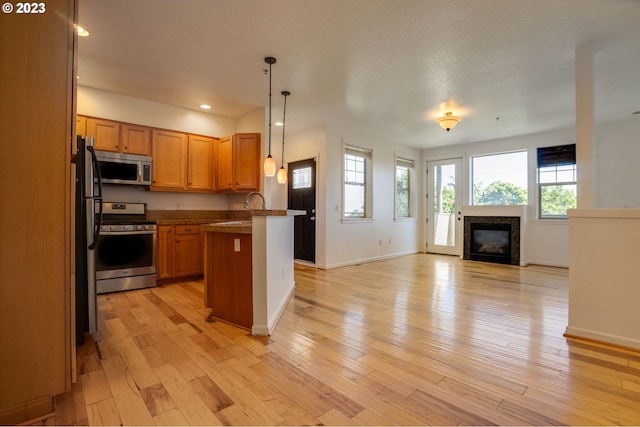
(404, 171)
(500, 179)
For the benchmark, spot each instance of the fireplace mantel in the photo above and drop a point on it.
(507, 211)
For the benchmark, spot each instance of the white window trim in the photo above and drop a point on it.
(412, 192)
(368, 188)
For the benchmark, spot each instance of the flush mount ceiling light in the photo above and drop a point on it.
(282, 172)
(448, 121)
(205, 106)
(269, 163)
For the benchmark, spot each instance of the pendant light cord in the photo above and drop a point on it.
(284, 116)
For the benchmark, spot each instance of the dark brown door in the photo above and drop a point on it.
(302, 196)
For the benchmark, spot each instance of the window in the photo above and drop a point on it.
(301, 178)
(500, 179)
(404, 172)
(357, 178)
(556, 180)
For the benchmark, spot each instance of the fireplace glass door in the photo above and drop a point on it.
(443, 204)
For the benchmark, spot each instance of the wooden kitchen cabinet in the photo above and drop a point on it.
(166, 252)
(239, 162)
(169, 155)
(179, 251)
(200, 166)
(81, 126)
(105, 133)
(135, 139)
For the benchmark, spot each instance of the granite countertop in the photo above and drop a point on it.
(205, 218)
(242, 227)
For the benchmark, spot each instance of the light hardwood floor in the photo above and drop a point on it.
(420, 339)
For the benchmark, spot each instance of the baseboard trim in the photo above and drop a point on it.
(365, 260)
(602, 338)
(29, 412)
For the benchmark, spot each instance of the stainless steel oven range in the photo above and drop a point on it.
(126, 250)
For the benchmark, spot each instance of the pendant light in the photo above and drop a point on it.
(269, 163)
(282, 172)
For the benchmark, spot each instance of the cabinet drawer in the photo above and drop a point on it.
(187, 229)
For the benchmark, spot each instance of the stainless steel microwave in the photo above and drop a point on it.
(120, 168)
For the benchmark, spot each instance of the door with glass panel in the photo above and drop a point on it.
(444, 200)
(302, 196)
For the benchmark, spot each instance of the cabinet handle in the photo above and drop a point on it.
(187, 230)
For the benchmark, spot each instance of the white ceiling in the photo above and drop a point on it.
(382, 67)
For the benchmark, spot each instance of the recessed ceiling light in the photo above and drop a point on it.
(278, 124)
(82, 32)
(205, 106)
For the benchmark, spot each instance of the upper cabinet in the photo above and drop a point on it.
(81, 125)
(239, 162)
(169, 160)
(181, 161)
(200, 168)
(109, 135)
(105, 133)
(135, 139)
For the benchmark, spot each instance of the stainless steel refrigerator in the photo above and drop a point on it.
(88, 218)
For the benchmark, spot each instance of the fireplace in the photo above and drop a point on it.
(492, 239)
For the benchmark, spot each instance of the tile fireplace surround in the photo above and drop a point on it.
(514, 215)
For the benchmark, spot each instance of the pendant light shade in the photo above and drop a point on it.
(448, 121)
(282, 172)
(269, 166)
(269, 163)
(282, 175)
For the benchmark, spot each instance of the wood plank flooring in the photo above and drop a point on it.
(420, 339)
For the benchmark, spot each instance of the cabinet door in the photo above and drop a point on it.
(166, 252)
(246, 161)
(169, 154)
(135, 139)
(105, 133)
(225, 163)
(189, 258)
(200, 165)
(81, 126)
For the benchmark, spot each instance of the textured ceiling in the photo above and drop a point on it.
(382, 67)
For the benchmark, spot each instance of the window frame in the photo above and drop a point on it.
(409, 164)
(367, 155)
(556, 156)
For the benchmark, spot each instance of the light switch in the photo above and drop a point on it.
(236, 245)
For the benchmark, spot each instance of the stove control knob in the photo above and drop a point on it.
(140, 227)
(147, 227)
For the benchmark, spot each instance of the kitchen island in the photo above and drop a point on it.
(249, 269)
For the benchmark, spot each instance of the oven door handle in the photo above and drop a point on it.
(126, 233)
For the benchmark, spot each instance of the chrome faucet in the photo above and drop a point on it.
(254, 193)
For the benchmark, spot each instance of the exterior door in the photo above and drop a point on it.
(444, 198)
(302, 196)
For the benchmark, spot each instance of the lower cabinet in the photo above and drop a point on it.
(179, 251)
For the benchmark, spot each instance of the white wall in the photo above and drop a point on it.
(353, 242)
(617, 155)
(603, 278)
(617, 151)
(114, 106)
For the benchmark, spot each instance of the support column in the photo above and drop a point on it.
(585, 161)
